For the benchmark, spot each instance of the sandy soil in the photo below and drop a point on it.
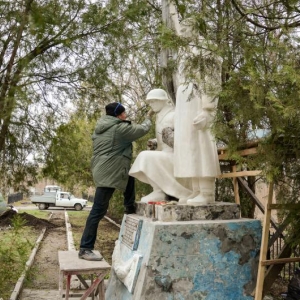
(45, 267)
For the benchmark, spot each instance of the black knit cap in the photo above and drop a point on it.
(114, 109)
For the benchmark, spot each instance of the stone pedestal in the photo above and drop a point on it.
(171, 211)
(198, 259)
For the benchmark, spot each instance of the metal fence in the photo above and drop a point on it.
(288, 269)
(14, 198)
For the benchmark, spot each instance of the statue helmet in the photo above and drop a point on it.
(157, 94)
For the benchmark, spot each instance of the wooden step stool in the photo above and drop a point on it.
(70, 264)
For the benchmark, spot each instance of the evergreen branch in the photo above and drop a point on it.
(6, 85)
(269, 28)
(154, 7)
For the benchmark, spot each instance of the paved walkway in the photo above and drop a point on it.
(39, 294)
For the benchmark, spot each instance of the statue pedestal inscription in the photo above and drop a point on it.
(132, 230)
(126, 262)
(198, 259)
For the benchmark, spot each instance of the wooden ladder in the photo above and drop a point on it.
(263, 262)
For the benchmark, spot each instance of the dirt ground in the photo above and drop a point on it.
(45, 269)
(7, 217)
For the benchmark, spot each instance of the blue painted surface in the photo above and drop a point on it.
(179, 297)
(206, 260)
(137, 236)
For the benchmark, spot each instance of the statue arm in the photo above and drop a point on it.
(205, 118)
(168, 136)
(206, 115)
(174, 17)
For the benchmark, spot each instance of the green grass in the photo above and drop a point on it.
(78, 216)
(77, 220)
(41, 214)
(18, 242)
(25, 234)
(107, 233)
(15, 248)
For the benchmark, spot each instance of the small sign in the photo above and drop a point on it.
(132, 231)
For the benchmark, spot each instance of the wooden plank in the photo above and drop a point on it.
(279, 261)
(224, 155)
(264, 247)
(240, 174)
(287, 206)
(82, 281)
(70, 262)
(279, 232)
(245, 186)
(252, 144)
(236, 188)
(98, 280)
(247, 152)
(236, 191)
(274, 270)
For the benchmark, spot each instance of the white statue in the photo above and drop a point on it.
(195, 151)
(126, 271)
(157, 167)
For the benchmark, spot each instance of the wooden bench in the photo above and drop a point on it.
(70, 264)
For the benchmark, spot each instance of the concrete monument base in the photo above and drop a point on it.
(171, 211)
(199, 259)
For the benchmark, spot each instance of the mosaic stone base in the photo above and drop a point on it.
(177, 212)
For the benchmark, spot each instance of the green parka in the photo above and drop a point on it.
(112, 145)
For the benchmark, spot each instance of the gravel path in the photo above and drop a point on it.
(46, 261)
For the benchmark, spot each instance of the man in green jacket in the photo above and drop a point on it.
(112, 153)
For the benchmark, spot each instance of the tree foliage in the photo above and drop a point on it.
(14, 251)
(69, 155)
(56, 52)
(259, 46)
(90, 53)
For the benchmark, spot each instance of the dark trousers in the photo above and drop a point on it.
(99, 209)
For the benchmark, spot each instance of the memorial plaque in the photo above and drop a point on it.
(130, 280)
(132, 231)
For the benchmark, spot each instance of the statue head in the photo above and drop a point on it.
(157, 99)
(157, 94)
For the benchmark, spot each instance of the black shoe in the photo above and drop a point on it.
(130, 210)
(89, 255)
